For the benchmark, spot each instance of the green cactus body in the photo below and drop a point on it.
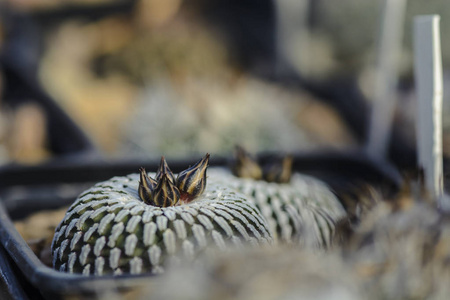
(110, 230)
(302, 211)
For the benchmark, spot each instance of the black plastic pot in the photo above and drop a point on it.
(25, 190)
(10, 285)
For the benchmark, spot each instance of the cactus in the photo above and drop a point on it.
(137, 223)
(298, 208)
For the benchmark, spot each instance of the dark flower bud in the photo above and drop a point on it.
(192, 181)
(164, 169)
(165, 193)
(146, 186)
(245, 166)
(279, 171)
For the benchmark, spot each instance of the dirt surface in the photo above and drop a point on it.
(38, 229)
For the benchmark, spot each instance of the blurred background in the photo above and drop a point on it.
(180, 78)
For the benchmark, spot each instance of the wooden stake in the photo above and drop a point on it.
(429, 86)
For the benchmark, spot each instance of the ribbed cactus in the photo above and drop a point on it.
(298, 208)
(136, 223)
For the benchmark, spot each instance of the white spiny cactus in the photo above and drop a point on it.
(110, 229)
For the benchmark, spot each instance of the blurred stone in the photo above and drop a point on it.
(276, 273)
(27, 135)
(154, 13)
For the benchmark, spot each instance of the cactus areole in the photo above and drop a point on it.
(137, 223)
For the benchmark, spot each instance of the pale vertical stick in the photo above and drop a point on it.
(384, 97)
(292, 35)
(428, 76)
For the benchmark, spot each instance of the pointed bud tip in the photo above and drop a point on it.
(206, 158)
(279, 170)
(166, 193)
(164, 169)
(192, 181)
(244, 165)
(146, 185)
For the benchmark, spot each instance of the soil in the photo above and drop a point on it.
(38, 230)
